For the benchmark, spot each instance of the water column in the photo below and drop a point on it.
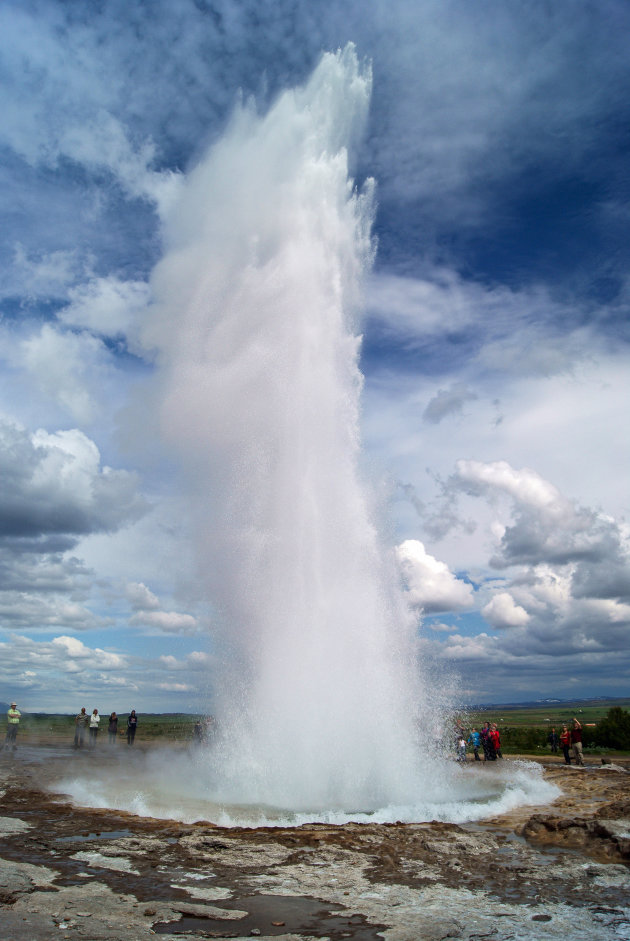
(256, 320)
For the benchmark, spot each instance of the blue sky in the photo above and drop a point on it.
(495, 346)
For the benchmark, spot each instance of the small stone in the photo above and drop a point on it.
(255, 932)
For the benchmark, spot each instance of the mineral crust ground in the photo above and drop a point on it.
(558, 871)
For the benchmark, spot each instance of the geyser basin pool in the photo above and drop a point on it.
(177, 785)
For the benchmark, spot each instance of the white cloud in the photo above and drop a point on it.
(61, 364)
(105, 306)
(525, 486)
(501, 611)
(430, 586)
(57, 485)
(171, 622)
(45, 275)
(99, 659)
(140, 597)
(196, 660)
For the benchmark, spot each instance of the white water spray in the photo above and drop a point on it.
(256, 322)
(322, 711)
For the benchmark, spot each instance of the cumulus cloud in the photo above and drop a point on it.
(170, 622)
(76, 650)
(61, 663)
(546, 526)
(140, 597)
(562, 598)
(196, 660)
(54, 492)
(53, 483)
(502, 611)
(44, 610)
(430, 586)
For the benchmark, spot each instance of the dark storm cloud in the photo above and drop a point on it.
(608, 579)
(574, 534)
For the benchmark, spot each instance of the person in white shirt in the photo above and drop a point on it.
(94, 721)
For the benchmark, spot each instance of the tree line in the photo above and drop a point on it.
(613, 731)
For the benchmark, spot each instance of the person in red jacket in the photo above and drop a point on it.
(565, 744)
(496, 740)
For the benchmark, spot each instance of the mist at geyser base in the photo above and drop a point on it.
(323, 711)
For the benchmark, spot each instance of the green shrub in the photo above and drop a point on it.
(612, 732)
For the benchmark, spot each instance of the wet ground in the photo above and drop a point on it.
(67, 872)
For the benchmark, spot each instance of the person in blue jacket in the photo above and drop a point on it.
(474, 740)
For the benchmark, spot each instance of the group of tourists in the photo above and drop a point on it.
(91, 723)
(570, 740)
(487, 741)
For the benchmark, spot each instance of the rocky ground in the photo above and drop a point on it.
(559, 871)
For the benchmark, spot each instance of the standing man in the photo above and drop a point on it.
(13, 721)
(552, 738)
(576, 742)
(80, 724)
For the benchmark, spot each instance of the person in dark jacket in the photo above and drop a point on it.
(81, 723)
(132, 723)
(112, 728)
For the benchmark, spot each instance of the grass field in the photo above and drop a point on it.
(547, 715)
(39, 728)
(523, 729)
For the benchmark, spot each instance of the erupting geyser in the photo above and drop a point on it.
(322, 711)
(256, 319)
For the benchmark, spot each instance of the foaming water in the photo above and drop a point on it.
(174, 785)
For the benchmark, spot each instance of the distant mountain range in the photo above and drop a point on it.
(532, 703)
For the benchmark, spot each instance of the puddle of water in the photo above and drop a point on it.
(278, 915)
(97, 835)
